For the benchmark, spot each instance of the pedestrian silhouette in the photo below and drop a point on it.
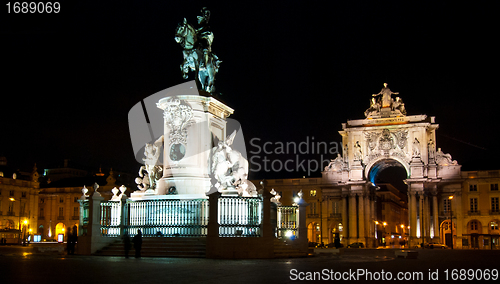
(126, 243)
(69, 241)
(137, 243)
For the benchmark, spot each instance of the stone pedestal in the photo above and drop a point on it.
(191, 123)
(416, 168)
(356, 172)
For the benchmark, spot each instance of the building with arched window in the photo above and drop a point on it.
(18, 204)
(480, 216)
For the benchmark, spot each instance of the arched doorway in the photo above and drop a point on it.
(474, 231)
(314, 232)
(41, 231)
(336, 232)
(494, 231)
(446, 233)
(60, 229)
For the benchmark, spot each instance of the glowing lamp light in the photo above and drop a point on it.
(385, 223)
(288, 234)
(296, 200)
(11, 199)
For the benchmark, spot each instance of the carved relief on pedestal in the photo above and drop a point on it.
(178, 116)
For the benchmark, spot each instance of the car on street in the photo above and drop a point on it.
(435, 245)
(356, 245)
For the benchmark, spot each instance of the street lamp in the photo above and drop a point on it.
(14, 214)
(451, 221)
(24, 231)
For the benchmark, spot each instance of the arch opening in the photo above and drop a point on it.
(388, 171)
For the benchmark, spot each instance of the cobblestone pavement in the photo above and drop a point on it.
(24, 265)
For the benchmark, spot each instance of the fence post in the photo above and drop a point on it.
(302, 225)
(86, 243)
(213, 242)
(267, 226)
(123, 214)
(213, 215)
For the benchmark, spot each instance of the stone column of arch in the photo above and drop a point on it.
(361, 217)
(412, 215)
(353, 225)
(344, 216)
(435, 217)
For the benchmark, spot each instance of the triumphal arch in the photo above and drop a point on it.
(388, 137)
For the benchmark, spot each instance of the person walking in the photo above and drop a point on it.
(126, 243)
(137, 240)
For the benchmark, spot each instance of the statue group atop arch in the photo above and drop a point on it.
(383, 105)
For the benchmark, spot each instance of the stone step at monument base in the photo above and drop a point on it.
(161, 247)
(284, 250)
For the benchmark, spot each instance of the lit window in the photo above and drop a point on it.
(494, 225)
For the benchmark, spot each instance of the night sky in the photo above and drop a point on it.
(292, 70)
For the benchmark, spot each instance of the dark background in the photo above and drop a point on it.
(291, 70)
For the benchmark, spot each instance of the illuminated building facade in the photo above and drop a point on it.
(58, 207)
(18, 205)
(476, 226)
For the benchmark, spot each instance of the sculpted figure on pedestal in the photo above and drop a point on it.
(230, 169)
(416, 148)
(150, 173)
(358, 155)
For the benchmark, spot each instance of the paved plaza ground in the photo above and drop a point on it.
(23, 265)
